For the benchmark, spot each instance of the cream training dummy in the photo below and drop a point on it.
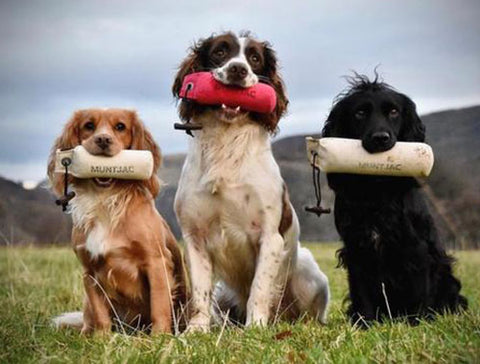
(128, 164)
(341, 155)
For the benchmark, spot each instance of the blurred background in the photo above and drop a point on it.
(58, 56)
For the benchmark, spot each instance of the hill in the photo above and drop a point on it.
(31, 216)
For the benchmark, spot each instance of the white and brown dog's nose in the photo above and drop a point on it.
(237, 71)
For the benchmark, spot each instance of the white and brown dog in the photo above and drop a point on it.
(237, 221)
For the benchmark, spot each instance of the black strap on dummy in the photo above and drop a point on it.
(318, 209)
(67, 196)
(188, 126)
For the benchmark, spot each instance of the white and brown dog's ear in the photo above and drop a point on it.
(271, 120)
(189, 65)
(69, 138)
(194, 62)
(143, 140)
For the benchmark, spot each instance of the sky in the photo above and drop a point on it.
(59, 56)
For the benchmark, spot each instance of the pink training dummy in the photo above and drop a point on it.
(204, 89)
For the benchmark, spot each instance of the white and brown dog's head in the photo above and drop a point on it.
(104, 132)
(234, 60)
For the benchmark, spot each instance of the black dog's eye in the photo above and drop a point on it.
(254, 58)
(120, 126)
(360, 114)
(90, 125)
(393, 113)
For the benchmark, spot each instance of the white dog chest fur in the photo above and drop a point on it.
(95, 243)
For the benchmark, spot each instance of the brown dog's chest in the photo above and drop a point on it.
(118, 269)
(122, 277)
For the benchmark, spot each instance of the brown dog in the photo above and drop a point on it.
(133, 268)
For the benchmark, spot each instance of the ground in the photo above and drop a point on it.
(38, 283)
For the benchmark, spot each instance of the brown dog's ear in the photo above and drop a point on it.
(69, 138)
(143, 140)
(271, 70)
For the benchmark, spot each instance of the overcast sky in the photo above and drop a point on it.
(58, 56)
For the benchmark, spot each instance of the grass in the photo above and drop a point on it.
(36, 284)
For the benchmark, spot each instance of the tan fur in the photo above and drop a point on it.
(133, 268)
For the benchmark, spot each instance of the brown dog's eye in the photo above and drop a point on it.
(89, 126)
(360, 114)
(393, 113)
(254, 58)
(120, 126)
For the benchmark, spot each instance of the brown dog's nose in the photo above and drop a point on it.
(103, 141)
(237, 71)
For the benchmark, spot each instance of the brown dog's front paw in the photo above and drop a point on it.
(97, 330)
(162, 327)
(86, 330)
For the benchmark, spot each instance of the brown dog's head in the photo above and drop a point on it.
(240, 61)
(105, 132)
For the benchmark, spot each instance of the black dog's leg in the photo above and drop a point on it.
(362, 309)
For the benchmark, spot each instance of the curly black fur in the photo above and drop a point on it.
(391, 248)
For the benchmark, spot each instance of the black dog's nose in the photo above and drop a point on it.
(381, 137)
(237, 71)
(103, 141)
(379, 141)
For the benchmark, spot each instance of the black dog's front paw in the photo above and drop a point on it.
(359, 319)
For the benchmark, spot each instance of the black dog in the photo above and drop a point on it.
(395, 262)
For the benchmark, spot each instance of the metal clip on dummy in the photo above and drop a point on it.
(318, 209)
(67, 196)
(188, 126)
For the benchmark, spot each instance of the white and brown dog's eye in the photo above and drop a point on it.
(360, 114)
(89, 126)
(220, 53)
(120, 126)
(393, 113)
(254, 58)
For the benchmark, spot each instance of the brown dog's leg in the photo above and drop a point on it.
(96, 309)
(161, 283)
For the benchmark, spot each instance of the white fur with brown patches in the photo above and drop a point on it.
(229, 206)
(251, 78)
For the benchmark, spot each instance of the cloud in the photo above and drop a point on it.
(59, 56)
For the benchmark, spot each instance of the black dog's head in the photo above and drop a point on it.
(375, 113)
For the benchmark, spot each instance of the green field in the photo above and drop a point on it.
(36, 284)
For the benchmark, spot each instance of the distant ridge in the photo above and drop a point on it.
(29, 216)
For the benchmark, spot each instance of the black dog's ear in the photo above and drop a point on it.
(328, 128)
(334, 120)
(412, 130)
